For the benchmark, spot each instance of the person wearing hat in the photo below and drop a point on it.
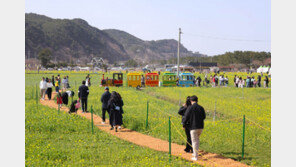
(104, 99)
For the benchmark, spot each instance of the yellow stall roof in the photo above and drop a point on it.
(134, 73)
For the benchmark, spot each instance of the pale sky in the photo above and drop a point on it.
(210, 26)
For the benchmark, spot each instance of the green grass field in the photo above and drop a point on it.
(222, 135)
(60, 139)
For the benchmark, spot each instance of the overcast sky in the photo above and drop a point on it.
(210, 26)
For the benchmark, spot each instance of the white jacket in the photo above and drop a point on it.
(43, 85)
(49, 85)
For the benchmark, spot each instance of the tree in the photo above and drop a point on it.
(105, 67)
(44, 56)
(131, 63)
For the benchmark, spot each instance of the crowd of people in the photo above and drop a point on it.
(193, 116)
(239, 82)
(250, 82)
(46, 85)
(111, 102)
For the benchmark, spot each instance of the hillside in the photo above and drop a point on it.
(73, 40)
(149, 50)
(70, 40)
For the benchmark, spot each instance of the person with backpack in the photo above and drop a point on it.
(194, 117)
(181, 112)
(83, 92)
(104, 99)
(115, 104)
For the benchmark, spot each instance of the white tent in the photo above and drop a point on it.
(263, 69)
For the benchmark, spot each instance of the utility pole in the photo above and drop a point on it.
(179, 52)
(200, 65)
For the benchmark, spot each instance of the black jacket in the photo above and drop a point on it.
(182, 111)
(195, 116)
(116, 115)
(72, 107)
(105, 98)
(65, 98)
(83, 91)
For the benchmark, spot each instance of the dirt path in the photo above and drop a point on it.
(205, 159)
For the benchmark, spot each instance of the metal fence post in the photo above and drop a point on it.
(170, 142)
(243, 141)
(147, 114)
(92, 120)
(214, 117)
(37, 96)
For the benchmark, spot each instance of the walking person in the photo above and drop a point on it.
(64, 82)
(83, 92)
(226, 81)
(266, 81)
(259, 81)
(248, 80)
(143, 81)
(115, 104)
(216, 80)
(104, 99)
(49, 89)
(57, 85)
(52, 80)
(252, 82)
(195, 116)
(237, 80)
(43, 87)
(87, 80)
(67, 82)
(59, 80)
(181, 112)
(59, 100)
(46, 80)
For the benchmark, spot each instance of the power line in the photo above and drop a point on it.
(227, 39)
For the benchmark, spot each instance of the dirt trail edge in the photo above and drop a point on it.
(204, 159)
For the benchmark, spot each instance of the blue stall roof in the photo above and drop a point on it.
(186, 73)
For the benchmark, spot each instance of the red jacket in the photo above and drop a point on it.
(59, 100)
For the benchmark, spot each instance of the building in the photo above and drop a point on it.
(202, 65)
